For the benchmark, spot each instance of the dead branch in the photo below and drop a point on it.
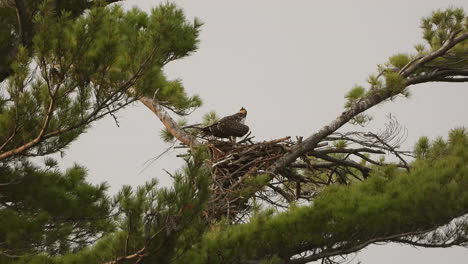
(169, 123)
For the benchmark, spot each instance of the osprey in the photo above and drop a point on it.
(229, 126)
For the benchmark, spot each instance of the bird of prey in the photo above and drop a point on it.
(229, 126)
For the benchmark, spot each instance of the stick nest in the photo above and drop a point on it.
(232, 165)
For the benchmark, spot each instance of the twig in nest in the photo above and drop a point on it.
(246, 138)
(228, 158)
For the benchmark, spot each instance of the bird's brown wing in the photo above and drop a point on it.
(231, 129)
(232, 118)
(228, 126)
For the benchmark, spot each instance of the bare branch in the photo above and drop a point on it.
(343, 162)
(169, 123)
(457, 242)
(451, 79)
(351, 151)
(392, 150)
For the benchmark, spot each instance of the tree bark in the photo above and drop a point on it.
(169, 123)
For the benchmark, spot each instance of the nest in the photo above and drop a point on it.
(232, 165)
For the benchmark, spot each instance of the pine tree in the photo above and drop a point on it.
(62, 69)
(66, 65)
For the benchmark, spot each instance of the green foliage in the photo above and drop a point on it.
(46, 210)
(173, 93)
(439, 26)
(90, 66)
(395, 82)
(254, 184)
(167, 221)
(399, 60)
(422, 147)
(210, 118)
(340, 144)
(64, 70)
(392, 201)
(361, 119)
(354, 94)
(439, 147)
(374, 82)
(438, 29)
(167, 136)
(71, 67)
(421, 49)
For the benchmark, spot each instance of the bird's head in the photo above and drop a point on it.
(243, 111)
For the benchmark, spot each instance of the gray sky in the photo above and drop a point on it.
(290, 64)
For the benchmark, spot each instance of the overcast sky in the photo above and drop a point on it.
(289, 63)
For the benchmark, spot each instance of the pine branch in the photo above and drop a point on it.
(137, 255)
(451, 79)
(456, 242)
(369, 101)
(452, 41)
(13, 134)
(351, 151)
(96, 114)
(26, 30)
(347, 249)
(35, 141)
(343, 162)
